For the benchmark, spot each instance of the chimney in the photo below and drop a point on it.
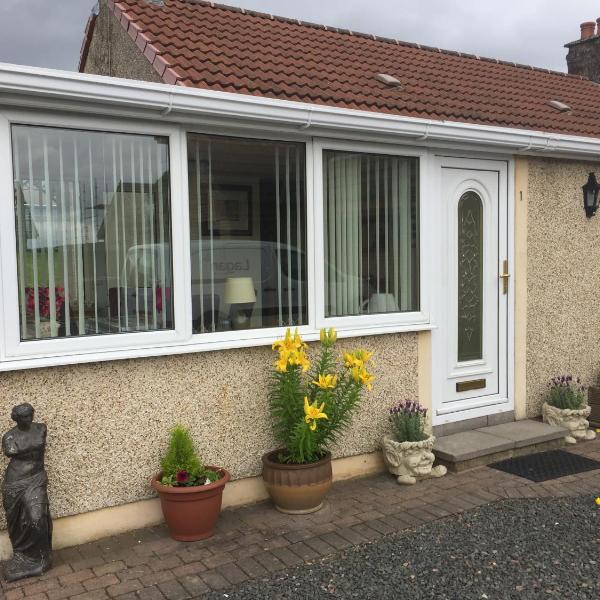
(584, 54)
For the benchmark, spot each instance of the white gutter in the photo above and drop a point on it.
(61, 90)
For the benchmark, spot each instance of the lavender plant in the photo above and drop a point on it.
(567, 393)
(408, 420)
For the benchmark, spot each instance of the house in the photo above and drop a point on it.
(239, 173)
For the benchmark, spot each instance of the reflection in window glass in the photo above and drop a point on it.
(371, 234)
(93, 232)
(248, 232)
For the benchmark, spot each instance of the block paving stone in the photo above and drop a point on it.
(254, 541)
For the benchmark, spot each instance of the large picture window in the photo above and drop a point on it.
(248, 233)
(371, 234)
(93, 232)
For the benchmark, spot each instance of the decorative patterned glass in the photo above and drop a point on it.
(93, 232)
(470, 277)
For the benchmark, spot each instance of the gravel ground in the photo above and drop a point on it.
(523, 549)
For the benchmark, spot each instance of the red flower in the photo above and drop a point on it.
(182, 476)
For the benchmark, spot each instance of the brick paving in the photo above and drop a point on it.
(255, 541)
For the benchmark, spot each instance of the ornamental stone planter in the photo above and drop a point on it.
(191, 513)
(411, 461)
(574, 420)
(297, 489)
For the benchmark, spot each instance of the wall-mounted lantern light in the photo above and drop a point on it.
(590, 196)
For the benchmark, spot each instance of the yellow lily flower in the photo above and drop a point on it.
(367, 379)
(360, 375)
(313, 413)
(598, 501)
(352, 362)
(326, 382)
(363, 355)
(282, 364)
(299, 358)
(289, 343)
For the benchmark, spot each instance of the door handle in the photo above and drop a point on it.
(505, 276)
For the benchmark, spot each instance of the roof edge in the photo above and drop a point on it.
(142, 41)
(49, 89)
(87, 37)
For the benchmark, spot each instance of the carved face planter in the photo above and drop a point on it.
(411, 461)
(574, 420)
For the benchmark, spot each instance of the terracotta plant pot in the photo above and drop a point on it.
(296, 489)
(191, 513)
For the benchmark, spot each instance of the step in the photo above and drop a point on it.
(486, 445)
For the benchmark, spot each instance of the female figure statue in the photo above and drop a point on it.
(25, 496)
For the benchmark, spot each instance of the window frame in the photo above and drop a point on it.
(13, 347)
(386, 322)
(266, 335)
(17, 354)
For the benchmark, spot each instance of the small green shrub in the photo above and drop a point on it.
(181, 466)
(408, 421)
(567, 393)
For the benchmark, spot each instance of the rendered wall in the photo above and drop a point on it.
(108, 422)
(563, 278)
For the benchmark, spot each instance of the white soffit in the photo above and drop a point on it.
(47, 89)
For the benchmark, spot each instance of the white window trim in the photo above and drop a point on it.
(380, 323)
(15, 354)
(13, 348)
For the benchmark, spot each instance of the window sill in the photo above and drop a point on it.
(195, 345)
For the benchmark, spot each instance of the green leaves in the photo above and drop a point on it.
(180, 466)
(286, 402)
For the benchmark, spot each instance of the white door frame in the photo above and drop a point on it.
(492, 404)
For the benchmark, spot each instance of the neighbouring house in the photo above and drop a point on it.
(238, 173)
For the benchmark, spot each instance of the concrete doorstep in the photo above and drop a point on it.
(486, 445)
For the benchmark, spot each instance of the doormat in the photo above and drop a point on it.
(545, 466)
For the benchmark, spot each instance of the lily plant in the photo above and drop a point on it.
(312, 403)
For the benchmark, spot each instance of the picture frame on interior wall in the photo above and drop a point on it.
(233, 211)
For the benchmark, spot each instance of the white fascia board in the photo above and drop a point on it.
(46, 89)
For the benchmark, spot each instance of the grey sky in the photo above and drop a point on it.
(48, 33)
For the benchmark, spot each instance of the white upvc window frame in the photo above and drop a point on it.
(262, 336)
(17, 354)
(356, 325)
(13, 348)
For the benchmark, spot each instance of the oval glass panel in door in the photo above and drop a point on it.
(470, 277)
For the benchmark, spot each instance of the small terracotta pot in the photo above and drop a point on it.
(191, 513)
(297, 489)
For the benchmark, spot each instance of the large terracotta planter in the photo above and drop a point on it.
(297, 489)
(574, 420)
(411, 461)
(191, 513)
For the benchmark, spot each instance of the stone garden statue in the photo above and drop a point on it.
(25, 496)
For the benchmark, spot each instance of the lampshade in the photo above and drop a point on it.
(383, 303)
(239, 290)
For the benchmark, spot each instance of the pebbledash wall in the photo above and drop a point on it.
(563, 275)
(109, 422)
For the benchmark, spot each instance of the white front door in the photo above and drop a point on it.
(470, 342)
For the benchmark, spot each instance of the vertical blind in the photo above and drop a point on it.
(371, 234)
(93, 232)
(248, 219)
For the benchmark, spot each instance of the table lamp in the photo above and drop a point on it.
(240, 295)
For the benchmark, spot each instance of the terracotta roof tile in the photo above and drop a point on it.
(210, 46)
